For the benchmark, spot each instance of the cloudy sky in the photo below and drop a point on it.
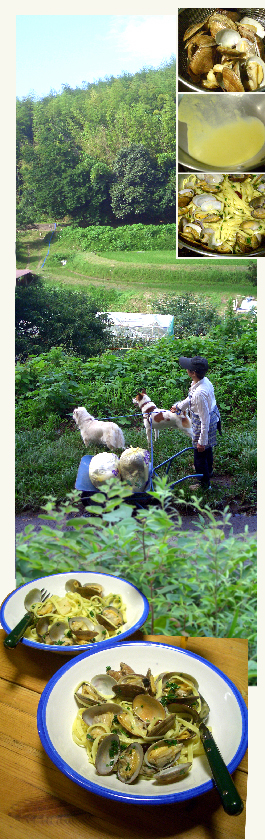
(75, 49)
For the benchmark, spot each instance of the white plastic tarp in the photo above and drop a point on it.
(139, 325)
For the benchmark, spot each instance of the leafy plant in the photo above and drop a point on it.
(197, 583)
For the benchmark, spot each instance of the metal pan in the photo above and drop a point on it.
(188, 17)
(206, 252)
(248, 106)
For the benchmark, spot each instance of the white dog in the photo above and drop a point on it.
(161, 417)
(98, 431)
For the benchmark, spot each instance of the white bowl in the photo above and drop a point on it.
(228, 718)
(137, 607)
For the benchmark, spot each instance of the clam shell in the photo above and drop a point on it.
(148, 708)
(72, 585)
(161, 754)
(31, 598)
(107, 754)
(87, 695)
(169, 774)
(96, 712)
(129, 763)
(42, 626)
(83, 628)
(57, 631)
(110, 617)
(104, 684)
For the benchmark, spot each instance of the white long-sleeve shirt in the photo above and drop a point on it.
(201, 400)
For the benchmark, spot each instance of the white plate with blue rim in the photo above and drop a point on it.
(227, 718)
(137, 607)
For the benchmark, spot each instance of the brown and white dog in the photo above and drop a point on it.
(161, 418)
(98, 431)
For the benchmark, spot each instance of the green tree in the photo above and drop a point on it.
(135, 183)
(50, 316)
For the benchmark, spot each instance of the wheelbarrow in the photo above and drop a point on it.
(140, 499)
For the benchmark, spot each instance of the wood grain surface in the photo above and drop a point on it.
(38, 801)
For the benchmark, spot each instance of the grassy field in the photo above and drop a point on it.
(137, 276)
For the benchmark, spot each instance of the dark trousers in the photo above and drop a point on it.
(203, 462)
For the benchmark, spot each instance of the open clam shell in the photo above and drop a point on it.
(31, 598)
(97, 714)
(107, 754)
(162, 754)
(176, 771)
(83, 628)
(110, 617)
(148, 708)
(129, 763)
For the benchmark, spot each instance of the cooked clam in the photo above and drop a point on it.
(90, 589)
(227, 38)
(57, 631)
(247, 240)
(176, 771)
(258, 28)
(129, 763)
(42, 626)
(131, 724)
(104, 684)
(162, 754)
(255, 69)
(218, 22)
(102, 714)
(258, 207)
(107, 754)
(130, 685)
(184, 197)
(87, 695)
(148, 708)
(32, 597)
(110, 617)
(83, 628)
(72, 585)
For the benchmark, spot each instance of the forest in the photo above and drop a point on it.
(101, 154)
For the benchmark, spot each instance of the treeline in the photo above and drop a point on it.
(101, 154)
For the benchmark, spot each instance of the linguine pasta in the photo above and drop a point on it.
(236, 226)
(159, 725)
(74, 614)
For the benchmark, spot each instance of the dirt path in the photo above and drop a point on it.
(237, 522)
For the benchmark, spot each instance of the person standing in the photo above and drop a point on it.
(205, 416)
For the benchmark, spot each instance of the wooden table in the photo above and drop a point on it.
(38, 801)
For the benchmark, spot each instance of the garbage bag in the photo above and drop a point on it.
(134, 467)
(103, 466)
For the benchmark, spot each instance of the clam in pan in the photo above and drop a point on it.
(225, 51)
(224, 213)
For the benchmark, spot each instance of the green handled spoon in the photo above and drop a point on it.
(231, 801)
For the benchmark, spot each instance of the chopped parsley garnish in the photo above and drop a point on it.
(114, 749)
(108, 667)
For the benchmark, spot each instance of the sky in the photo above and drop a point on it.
(76, 49)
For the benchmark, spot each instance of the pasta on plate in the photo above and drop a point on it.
(223, 213)
(82, 616)
(136, 725)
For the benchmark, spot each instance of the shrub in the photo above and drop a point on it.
(197, 583)
(136, 237)
(47, 316)
(192, 314)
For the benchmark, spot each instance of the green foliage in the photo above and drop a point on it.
(137, 185)
(132, 237)
(67, 144)
(192, 314)
(53, 383)
(199, 583)
(47, 316)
